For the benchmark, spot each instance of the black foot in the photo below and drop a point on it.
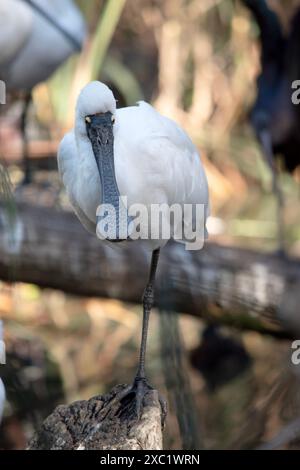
(132, 400)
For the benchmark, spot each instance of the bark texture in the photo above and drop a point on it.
(102, 423)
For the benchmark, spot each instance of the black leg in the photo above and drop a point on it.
(23, 126)
(148, 300)
(265, 140)
(135, 395)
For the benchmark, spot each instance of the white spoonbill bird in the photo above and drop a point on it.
(126, 158)
(36, 37)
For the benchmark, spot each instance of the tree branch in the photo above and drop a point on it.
(228, 285)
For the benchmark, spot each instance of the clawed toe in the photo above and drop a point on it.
(132, 400)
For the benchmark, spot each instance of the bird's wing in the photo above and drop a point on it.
(66, 159)
(173, 163)
(169, 145)
(163, 153)
(178, 169)
(157, 124)
(15, 26)
(64, 14)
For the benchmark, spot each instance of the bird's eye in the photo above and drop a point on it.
(113, 119)
(88, 119)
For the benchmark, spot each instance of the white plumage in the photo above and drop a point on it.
(155, 160)
(31, 48)
(139, 154)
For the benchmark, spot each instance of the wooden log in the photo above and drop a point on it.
(232, 286)
(102, 423)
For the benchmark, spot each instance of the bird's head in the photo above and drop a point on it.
(96, 107)
(95, 120)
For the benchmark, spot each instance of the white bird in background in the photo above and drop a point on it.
(2, 389)
(134, 152)
(36, 37)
